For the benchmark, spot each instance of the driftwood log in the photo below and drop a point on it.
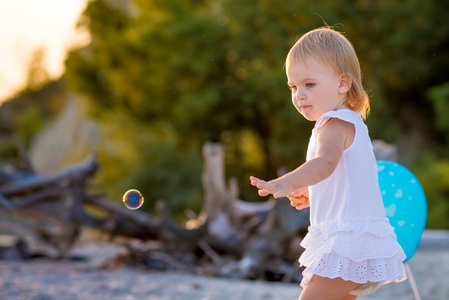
(230, 237)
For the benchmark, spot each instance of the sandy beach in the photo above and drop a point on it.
(42, 279)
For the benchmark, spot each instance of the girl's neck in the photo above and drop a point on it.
(341, 106)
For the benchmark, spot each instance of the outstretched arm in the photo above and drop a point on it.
(332, 138)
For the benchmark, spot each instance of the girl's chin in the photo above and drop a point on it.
(309, 117)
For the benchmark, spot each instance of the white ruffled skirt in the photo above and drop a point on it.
(364, 251)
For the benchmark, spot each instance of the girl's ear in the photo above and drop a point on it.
(345, 83)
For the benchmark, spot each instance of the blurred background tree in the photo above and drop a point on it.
(163, 76)
(186, 72)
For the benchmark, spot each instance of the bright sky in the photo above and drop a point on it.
(27, 25)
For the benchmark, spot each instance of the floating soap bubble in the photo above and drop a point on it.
(133, 199)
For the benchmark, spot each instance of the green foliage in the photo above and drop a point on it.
(433, 175)
(439, 96)
(181, 72)
(30, 123)
(145, 159)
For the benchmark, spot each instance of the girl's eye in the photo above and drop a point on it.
(309, 85)
(292, 88)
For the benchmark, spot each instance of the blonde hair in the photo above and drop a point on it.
(333, 48)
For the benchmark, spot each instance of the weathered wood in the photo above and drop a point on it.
(34, 181)
(213, 180)
(219, 201)
(40, 209)
(231, 237)
(143, 226)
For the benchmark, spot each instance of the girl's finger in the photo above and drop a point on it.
(296, 193)
(297, 200)
(253, 180)
(277, 195)
(297, 206)
(263, 193)
(258, 183)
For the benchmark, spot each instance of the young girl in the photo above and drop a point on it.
(351, 248)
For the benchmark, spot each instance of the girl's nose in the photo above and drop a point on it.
(300, 95)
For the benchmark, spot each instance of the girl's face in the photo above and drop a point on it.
(316, 88)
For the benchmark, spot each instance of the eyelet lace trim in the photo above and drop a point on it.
(359, 250)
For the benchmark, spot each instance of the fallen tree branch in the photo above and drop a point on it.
(232, 237)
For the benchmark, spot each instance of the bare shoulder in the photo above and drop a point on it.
(339, 128)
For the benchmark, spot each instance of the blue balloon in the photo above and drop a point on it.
(405, 204)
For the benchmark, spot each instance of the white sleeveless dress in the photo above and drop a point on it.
(349, 235)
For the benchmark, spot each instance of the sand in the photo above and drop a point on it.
(68, 279)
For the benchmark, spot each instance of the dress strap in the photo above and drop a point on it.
(342, 114)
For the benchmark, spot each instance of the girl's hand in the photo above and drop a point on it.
(274, 187)
(299, 199)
